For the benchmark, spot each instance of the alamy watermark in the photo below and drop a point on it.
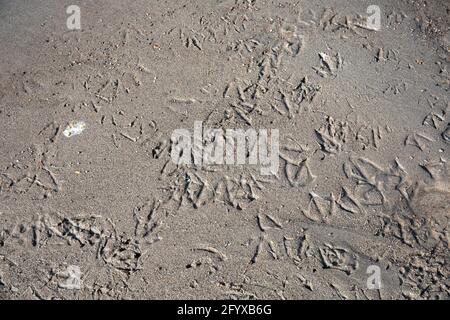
(74, 18)
(374, 280)
(204, 146)
(374, 19)
(72, 277)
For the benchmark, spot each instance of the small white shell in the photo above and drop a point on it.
(74, 128)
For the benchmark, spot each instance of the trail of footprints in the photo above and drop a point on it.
(413, 213)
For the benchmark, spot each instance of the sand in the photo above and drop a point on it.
(93, 207)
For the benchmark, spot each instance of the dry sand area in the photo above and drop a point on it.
(92, 205)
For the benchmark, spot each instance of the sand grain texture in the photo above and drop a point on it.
(87, 180)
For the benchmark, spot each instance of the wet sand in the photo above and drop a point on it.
(93, 207)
